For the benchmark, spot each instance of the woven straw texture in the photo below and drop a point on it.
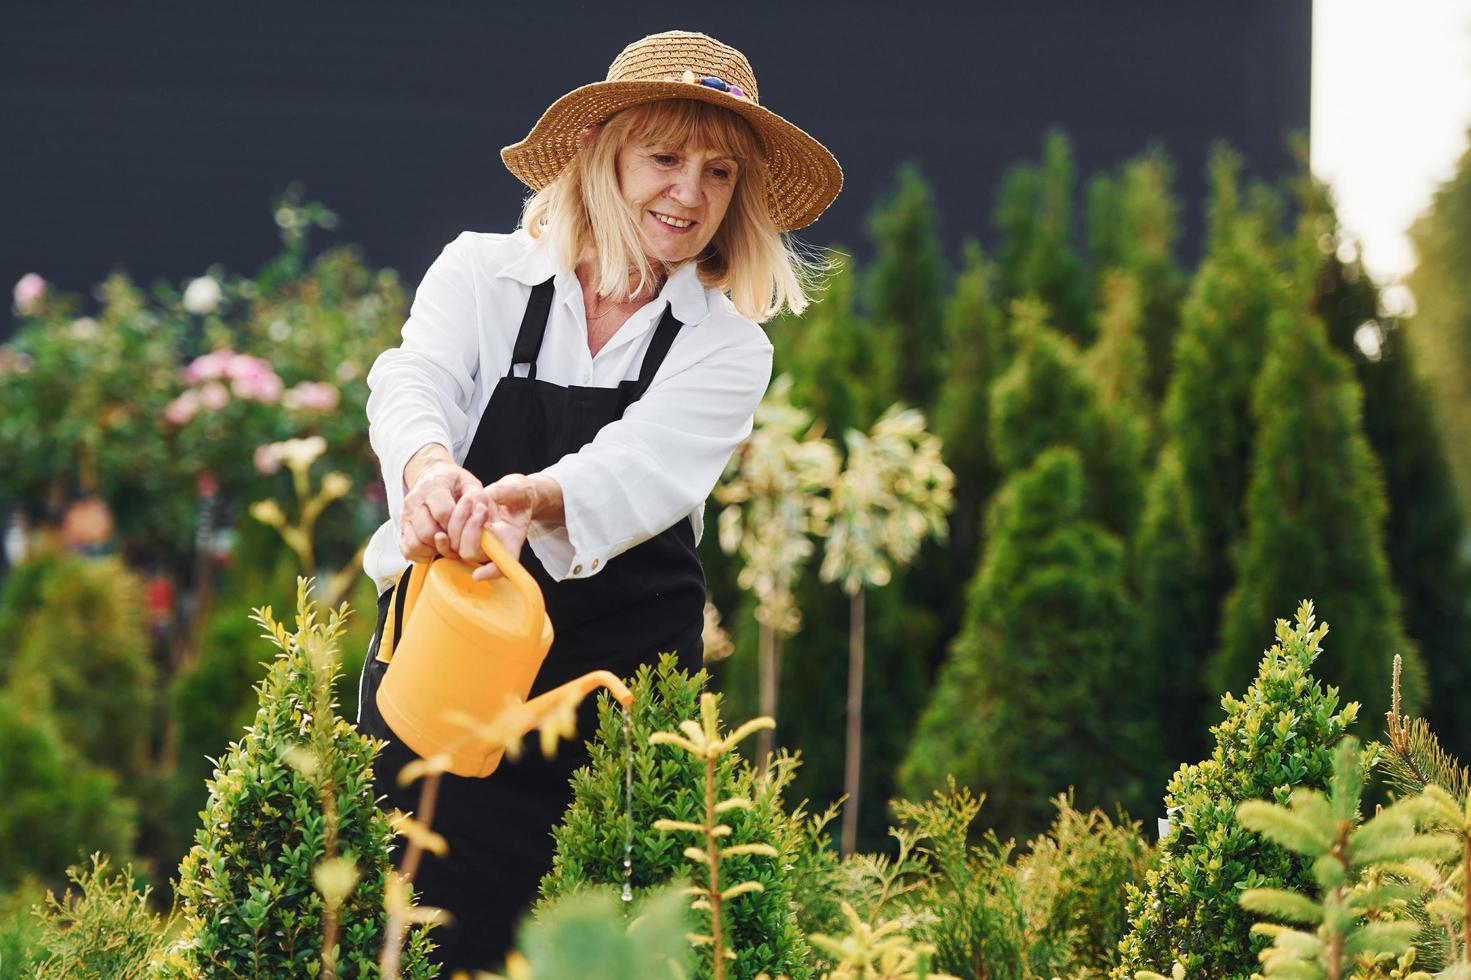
(803, 178)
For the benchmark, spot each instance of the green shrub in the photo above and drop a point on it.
(669, 784)
(1278, 736)
(54, 806)
(20, 948)
(103, 930)
(77, 648)
(295, 792)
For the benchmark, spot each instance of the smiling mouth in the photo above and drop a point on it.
(678, 224)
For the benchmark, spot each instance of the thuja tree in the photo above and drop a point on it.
(905, 287)
(1278, 735)
(288, 872)
(1038, 693)
(1208, 428)
(1036, 258)
(1315, 517)
(1045, 399)
(1133, 225)
(1424, 524)
(669, 784)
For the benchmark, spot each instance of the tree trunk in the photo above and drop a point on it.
(768, 668)
(854, 763)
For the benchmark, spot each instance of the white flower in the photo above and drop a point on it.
(28, 292)
(83, 328)
(202, 295)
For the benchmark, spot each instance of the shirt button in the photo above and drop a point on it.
(576, 569)
(595, 564)
(586, 377)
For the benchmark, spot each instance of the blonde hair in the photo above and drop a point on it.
(582, 213)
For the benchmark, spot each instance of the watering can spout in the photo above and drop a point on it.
(531, 714)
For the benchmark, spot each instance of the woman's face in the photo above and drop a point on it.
(680, 194)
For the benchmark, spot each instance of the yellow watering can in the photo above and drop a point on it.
(459, 674)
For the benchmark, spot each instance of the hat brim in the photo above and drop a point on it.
(802, 177)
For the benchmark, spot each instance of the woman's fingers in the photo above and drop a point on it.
(416, 533)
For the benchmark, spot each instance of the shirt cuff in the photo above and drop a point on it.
(556, 549)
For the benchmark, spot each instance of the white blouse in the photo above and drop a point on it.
(642, 473)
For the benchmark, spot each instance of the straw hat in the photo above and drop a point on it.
(802, 176)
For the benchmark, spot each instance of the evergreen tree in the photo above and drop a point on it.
(1039, 692)
(1278, 735)
(840, 363)
(906, 286)
(1034, 214)
(1200, 482)
(978, 349)
(1425, 525)
(1046, 399)
(1440, 330)
(1133, 225)
(1315, 517)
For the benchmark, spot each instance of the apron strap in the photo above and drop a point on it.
(658, 347)
(533, 328)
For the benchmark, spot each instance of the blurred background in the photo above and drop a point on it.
(1178, 288)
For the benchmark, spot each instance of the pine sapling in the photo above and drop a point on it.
(703, 741)
(1359, 918)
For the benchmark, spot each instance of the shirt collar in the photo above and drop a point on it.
(683, 290)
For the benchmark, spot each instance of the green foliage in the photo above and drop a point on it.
(839, 361)
(592, 934)
(57, 807)
(1057, 910)
(1425, 522)
(1046, 399)
(668, 784)
(1360, 917)
(1038, 692)
(1277, 736)
(1315, 511)
(1208, 430)
(906, 285)
(298, 782)
(1133, 225)
(1034, 213)
(104, 930)
(76, 648)
(1440, 330)
(20, 950)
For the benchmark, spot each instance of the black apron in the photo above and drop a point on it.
(645, 601)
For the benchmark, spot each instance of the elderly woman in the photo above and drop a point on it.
(578, 386)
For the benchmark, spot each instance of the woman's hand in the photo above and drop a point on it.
(438, 487)
(507, 507)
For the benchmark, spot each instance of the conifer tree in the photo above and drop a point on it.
(1034, 214)
(1200, 481)
(1425, 525)
(1133, 226)
(978, 350)
(1440, 330)
(1038, 693)
(1315, 517)
(840, 362)
(1278, 735)
(1046, 399)
(905, 287)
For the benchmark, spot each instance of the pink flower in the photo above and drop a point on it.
(209, 366)
(312, 396)
(265, 459)
(258, 387)
(206, 484)
(28, 292)
(213, 396)
(182, 409)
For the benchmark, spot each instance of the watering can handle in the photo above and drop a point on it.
(519, 578)
(515, 574)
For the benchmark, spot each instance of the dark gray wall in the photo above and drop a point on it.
(152, 137)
